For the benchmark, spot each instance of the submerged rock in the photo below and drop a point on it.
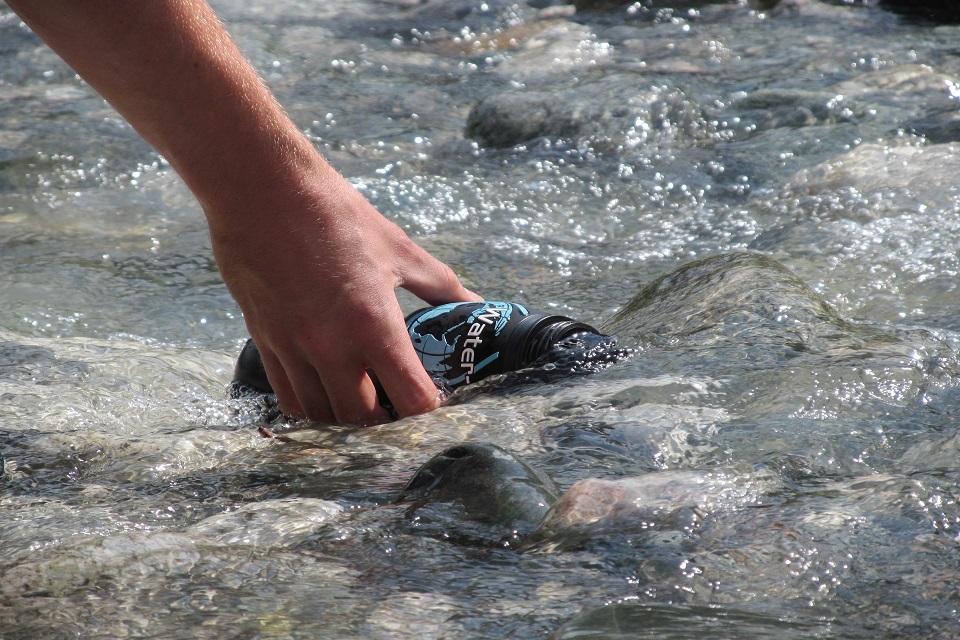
(508, 119)
(486, 483)
(596, 506)
(937, 128)
(274, 523)
(616, 111)
(774, 107)
(658, 620)
(724, 293)
(599, 5)
(62, 570)
(909, 96)
(924, 170)
(594, 5)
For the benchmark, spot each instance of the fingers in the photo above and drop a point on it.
(344, 394)
(280, 383)
(402, 376)
(318, 368)
(432, 281)
(353, 397)
(380, 336)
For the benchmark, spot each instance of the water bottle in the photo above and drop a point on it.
(462, 343)
(458, 343)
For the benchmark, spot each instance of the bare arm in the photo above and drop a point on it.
(311, 263)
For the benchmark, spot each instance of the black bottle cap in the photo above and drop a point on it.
(538, 333)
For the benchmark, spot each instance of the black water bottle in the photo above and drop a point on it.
(458, 343)
(464, 342)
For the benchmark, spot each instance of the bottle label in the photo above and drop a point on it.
(462, 342)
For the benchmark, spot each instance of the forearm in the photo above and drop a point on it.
(311, 263)
(172, 71)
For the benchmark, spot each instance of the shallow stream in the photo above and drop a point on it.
(762, 205)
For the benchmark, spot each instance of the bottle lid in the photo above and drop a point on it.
(536, 334)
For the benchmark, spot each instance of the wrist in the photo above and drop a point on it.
(234, 179)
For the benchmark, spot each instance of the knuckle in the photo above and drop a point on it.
(420, 399)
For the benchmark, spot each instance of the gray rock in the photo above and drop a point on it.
(728, 291)
(550, 53)
(872, 167)
(508, 119)
(595, 5)
(487, 482)
(273, 523)
(599, 5)
(772, 108)
(616, 112)
(937, 128)
(625, 620)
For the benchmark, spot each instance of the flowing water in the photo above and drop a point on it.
(778, 456)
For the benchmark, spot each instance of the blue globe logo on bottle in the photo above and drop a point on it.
(458, 341)
(468, 341)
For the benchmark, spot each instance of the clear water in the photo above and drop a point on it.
(800, 467)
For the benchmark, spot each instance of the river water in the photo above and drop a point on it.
(761, 205)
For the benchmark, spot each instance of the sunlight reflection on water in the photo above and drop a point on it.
(777, 457)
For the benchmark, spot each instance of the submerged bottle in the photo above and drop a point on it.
(458, 343)
(461, 343)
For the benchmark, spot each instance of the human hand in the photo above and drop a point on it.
(311, 263)
(316, 281)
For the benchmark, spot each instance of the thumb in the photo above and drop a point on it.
(434, 282)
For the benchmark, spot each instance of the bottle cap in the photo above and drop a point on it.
(544, 331)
